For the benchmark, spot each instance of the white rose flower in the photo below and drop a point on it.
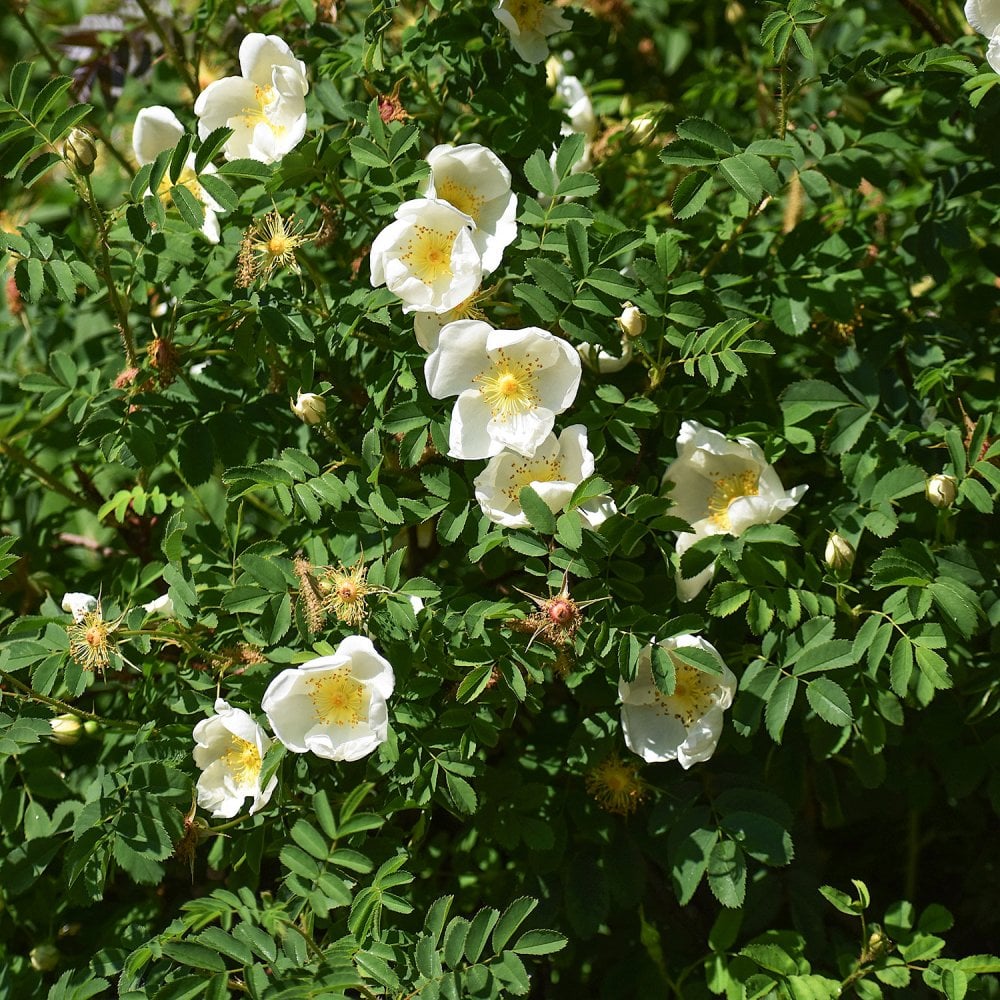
(553, 472)
(984, 16)
(160, 606)
(530, 22)
(721, 487)
(79, 604)
(510, 386)
(333, 706)
(265, 107)
(427, 256)
(230, 750)
(475, 181)
(157, 128)
(686, 725)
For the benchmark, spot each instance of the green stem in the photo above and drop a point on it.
(120, 310)
(176, 56)
(782, 101)
(43, 475)
(26, 694)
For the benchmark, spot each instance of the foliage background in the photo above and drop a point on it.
(809, 230)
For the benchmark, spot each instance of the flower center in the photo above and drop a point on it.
(727, 489)
(257, 114)
(508, 386)
(428, 254)
(337, 697)
(188, 178)
(462, 197)
(694, 694)
(527, 13)
(243, 761)
(528, 472)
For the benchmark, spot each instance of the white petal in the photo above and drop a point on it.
(289, 709)
(655, 737)
(156, 128)
(983, 15)
(688, 588)
(259, 54)
(469, 436)
(522, 432)
(221, 101)
(458, 358)
(576, 459)
(78, 604)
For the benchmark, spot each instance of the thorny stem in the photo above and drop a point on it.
(176, 57)
(26, 694)
(927, 21)
(47, 55)
(782, 100)
(121, 312)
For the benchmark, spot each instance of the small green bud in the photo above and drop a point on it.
(44, 957)
(839, 554)
(941, 490)
(80, 150)
(66, 729)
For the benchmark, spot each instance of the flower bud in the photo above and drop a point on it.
(91, 727)
(839, 554)
(641, 130)
(631, 322)
(66, 729)
(553, 71)
(44, 957)
(309, 407)
(941, 490)
(80, 150)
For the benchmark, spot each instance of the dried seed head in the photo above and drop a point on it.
(346, 592)
(165, 358)
(616, 785)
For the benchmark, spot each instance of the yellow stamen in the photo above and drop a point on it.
(694, 694)
(508, 386)
(257, 113)
(188, 178)
(527, 13)
(346, 591)
(338, 698)
(533, 471)
(428, 254)
(268, 246)
(727, 489)
(90, 641)
(461, 196)
(616, 785)
(243, 761)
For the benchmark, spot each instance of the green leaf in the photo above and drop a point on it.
(779, 706)
(691, 195)
(727, 873)
(191, 210)
(707, 133)
(512, 918)
(539, 942)
(539, 173)
(20, 77)
(829, 701)
(537, 511)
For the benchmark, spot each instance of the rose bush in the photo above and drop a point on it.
(498, 499)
